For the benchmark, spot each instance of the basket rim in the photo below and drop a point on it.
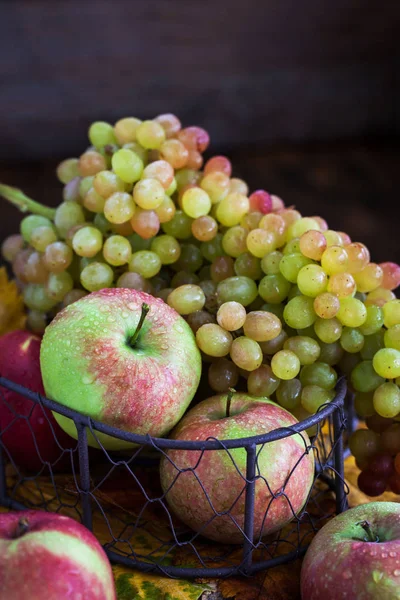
(210, 443)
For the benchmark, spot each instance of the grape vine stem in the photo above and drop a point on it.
(24, 203)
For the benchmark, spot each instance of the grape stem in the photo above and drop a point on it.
(370, 537)
(24, 203)
(21, 528)
(145, 310)
(228, 402)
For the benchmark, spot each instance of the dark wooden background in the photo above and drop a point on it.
(304, 96)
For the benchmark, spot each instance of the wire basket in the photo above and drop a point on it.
(117, 495)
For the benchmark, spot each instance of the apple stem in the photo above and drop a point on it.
(24, 203)
(367, 528)
(22, 528)
(145, 310)
(228, 401)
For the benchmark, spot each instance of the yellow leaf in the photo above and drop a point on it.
(12, 313)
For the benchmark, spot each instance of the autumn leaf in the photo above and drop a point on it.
(12, 313)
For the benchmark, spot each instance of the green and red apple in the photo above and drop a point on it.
(284, 470)
(29, 433)
(52, 557)
(124, 358)
(356, 556)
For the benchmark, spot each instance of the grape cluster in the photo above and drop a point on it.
(279, 303)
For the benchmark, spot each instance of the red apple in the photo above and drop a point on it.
(355, 556)
(19, 361)
(284, 469)
(44, 556)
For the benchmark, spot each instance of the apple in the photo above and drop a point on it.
(28, 444)
(124, 358)
(284, 464)
(355, 555)
(44, 555)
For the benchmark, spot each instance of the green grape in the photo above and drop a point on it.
(127, 165)
(276, 309)
(299, 312)
(139, 243)
(68, 214)
(186, 177)
(248, 265)
(262, 326)
(205, 272)
(291, 265)
(171, 189)
(101, 223)
(272, 346)
(260, 242)
(93, 201)
(180, 226)
(70, 192)
(101, 134)
(292, 247)
(313, 397)
(301, 226)
(335, 260)
(312, 280)
(391, 313)
(187, 299)
(58, 285)
(288, 394)
(386, 363)
(167, 248)
(270, 263)
(238, 289)
(148, 193)
(87, 241)
(364, 443)
(372, 343)
(313, 244)
(67, 170)
(125, 130)
(387, 400)
(328, 330)
(379, 297)
(212, 249)
(85, 184)
(205, 228)
(348, 362)
(234, 241)
(36, 321)
(117, 250)
(351, 340)
(150, 135)
(213, 340)
(146, 263)
(307, 331)
(42, 236)
(326, 305)
(106, 183)
(364, 378)
(222, 375)
(11, 246)
(306, 349)
(36, 297)
(222, 268)
(294, 291)
(373, 321)
(319, 374)
(364, 404)
(190, 259)
(97, 276)
(285, 364)
(196, 202)
(262, 382)
(134, 281)
(331, 354)
(184, 278)
(197, 319)
(246, 353)
(274, 288)
(231, 316)
(32, 222)
(341, 284)
(352, 312)
(232, 208)
(392, 337)
(119, 208)
(139, 150)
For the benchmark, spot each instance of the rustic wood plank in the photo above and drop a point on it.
(250, 71)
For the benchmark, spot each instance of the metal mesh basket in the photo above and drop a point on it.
(118, 495)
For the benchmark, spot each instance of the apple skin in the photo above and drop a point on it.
(249, 416)
(339, 564)
(44, 555)
(19, 362)
(88, 365)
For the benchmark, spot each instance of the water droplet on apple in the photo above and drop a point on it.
(384, 555)
(347, 574)
(67, 342)
(88, 378)
(111, 319)
(131, 306)
(396, 572)
(392, 554)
